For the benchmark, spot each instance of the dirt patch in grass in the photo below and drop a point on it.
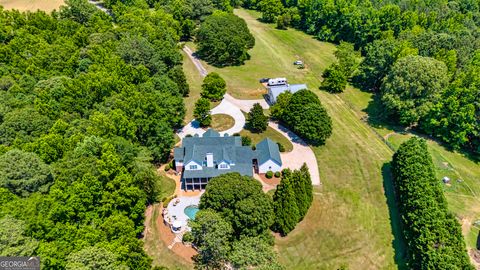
(32, 5)
(222, 122)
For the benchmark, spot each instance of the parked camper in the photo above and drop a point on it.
(277, 81)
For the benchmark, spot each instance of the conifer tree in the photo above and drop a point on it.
(307, 180)
(285, 206)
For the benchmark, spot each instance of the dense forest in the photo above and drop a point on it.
(88, 103)
(441, 37)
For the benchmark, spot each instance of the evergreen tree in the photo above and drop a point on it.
(257, 121)
(202, 112)
(285, 206)
(307, 182)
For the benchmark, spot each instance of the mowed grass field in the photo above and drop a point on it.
(349, 223)
(463, 192)
(32, 5)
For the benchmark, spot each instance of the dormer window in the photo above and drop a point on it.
(223, 166)
(193, 167)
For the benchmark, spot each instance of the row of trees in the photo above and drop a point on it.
(85, 108)
(304, 114)
(292, 199)
(440, 42)
(233, 225)
(433, 235)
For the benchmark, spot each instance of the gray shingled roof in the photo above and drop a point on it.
(227, 148)
(266, 150)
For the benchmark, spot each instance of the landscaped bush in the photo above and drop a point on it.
(167, 167)
(281, 148)
(277, 174)
(246, 141)
(187, 237)
(168, 199)
(269, 174)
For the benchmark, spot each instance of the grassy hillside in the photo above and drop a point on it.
(31, 5)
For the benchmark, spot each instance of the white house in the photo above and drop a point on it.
(268, 156)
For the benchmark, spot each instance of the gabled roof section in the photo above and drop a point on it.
(211, 133)
(268, 150)
(178, 153)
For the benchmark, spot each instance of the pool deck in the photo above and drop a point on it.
(176, 212)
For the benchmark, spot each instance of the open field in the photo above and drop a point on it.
(463, 193)
(31, 5)
(350, 222)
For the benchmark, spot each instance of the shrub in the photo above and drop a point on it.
(277, 174)
(281, 148)
(269, 174)
(168, 199)
(167, 167)
(246, 141)
(187, 237)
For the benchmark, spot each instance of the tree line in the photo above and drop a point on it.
(433, 234)
(88, 103)
(435, 89)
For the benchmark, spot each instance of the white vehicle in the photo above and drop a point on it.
(298, 63)
(277, 81)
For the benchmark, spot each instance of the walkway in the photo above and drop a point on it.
(300, 154)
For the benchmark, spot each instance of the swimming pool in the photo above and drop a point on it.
(191, 211)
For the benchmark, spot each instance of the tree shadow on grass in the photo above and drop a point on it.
(378, 116)
(398, 243)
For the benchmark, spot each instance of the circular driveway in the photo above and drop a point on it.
(225, 107)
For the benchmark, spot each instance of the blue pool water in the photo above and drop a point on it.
(191, 211)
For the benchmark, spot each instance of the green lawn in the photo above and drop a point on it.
(167, 184)
(195, 82)
(269, 133)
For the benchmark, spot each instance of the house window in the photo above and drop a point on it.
(223, 166)
(193, 167)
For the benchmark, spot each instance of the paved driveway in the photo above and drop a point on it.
(246, 104)
(225, 107)
(300, 154)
